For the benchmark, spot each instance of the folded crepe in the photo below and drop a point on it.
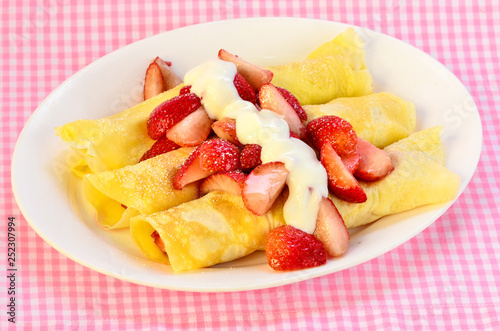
(335, 69)
(143, 188)
(419, 178)
(214, 229)
(114, 141)
(380, 118)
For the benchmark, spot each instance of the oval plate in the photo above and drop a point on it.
(50, 197)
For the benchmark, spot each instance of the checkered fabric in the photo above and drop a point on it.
(445, 278)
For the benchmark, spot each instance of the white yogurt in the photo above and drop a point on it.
(212, 81)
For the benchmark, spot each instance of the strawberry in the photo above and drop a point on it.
(334, 130)
(331, 229)
(214, 155)
(225, 128)
(185, 89)
(228, 181)
(170, 79)
(375, 163)
(158, 241)
(263, 186)
(250, 157)
(292, 100)
(161, 146)
(153, 82)
(288, 248)
(170, 112)
(192, 130)
(340, 181)
(253, 74)
(271, 99)
(245, 91)
(351, 160)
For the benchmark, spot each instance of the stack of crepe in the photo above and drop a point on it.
(201, 232)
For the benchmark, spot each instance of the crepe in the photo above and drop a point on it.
(380, 118)
(419, 178)
(112, 142)
(144, 188)
(335, 69)
(214, 229)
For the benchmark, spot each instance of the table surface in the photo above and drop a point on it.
(450, 282)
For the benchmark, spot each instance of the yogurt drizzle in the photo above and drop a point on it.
(212, 81)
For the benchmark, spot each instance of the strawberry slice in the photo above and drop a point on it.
(250, 157)
(192, 130)
(170, 112)
(331, 229)
(375, 163)
(185, 89)
(270, 98)
(263, 186)
(334, 130)
(253, 74)
(214, 155)
(292, 100)
(161, 146)
(245, 91)
(225, 128)
(351, 160)
(340, 181)
(288, 248)
(170, 78)
(228, 181)
(158, 241)
(153, 82)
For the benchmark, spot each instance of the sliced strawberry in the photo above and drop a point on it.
(254, 75)
(228, 181)
(250, 157)
(185, 89)
(331, 229)
(158, 241)
(153, 82)
(288, 248)
(170, 78)
(292, 100)
(161, 146)
(340, 181)
(374, 164)
(245, 91)
(270, 98)
(351, 160)
(263, 186)
(192, 130)
(225, 128)
(334, 130)
(214, 155)
(170, 112)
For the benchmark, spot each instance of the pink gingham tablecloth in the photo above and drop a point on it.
(432, 282)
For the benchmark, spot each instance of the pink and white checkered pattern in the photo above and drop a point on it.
(445, 278)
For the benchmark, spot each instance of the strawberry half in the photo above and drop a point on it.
(225, 128)
(331, 229)
(153, 82)
(253, 74)
(245, 91)
(270, 98)
(185, 89)
(170, 112)
(228, 181)
(161, 146)
(192, 130)
(340, 181)
(351, 160)
(288, 248)
(250, 157)
(170, 78)
(292, 100)
(334, 130)
(214, 155)
(375, 163)
(263, 186)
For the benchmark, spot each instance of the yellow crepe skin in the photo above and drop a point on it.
(419, 178)
(144, 188)
(335, 69)
(380, 118)
(214, 229)
(115, 141)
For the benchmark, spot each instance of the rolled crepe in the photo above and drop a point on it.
(419, 178)
(143, 188)
(112, 142)
(335, 69)
(380, 118)
(214, 229)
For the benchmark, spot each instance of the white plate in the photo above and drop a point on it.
(49, 197)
